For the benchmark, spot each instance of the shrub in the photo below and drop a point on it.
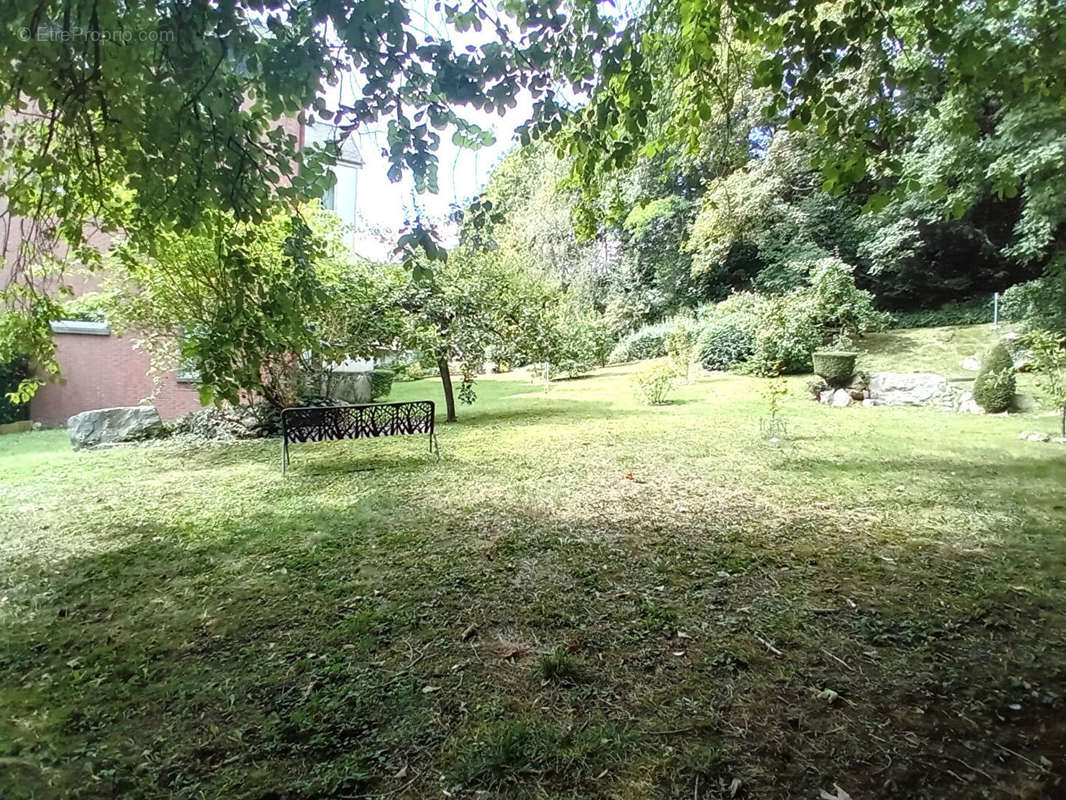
(993, 389)
(680, 344)
(967, 312)
(728, 334)
(412, 372)
(11, 375)
(1041, 302)
(1020, 301)
(647, 342)
(1048, 359)
(786, 336)
(569, 345)
(837, 368)
(655, 384)
(380, 383)
(725, 343)
(838, 304)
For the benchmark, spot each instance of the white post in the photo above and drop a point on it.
(995, 310)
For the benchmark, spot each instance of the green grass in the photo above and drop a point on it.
(936, 350)
(586, 598)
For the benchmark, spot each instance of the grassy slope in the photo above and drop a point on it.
(929, 349)
(178, 621)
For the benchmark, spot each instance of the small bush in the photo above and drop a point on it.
(838, 304)
(412, 372)
(655, 384)
(993, 389)
(836, 368)
(380, 383)
(647, 342)
(1021, 301)
(680, 344)
(724, 343)
(1048, 357)
(786, 337)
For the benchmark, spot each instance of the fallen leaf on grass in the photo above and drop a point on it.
(430, 689)
(840, 794)
(829, 696)
(734, 786)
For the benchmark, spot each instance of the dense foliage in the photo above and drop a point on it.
(993, 388)
(715, 148)
(1047, 356)
(254, 310)
(12, 373)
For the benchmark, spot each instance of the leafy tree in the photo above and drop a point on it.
(249, 307)
(1048, 357)
(466, 305)
(147, 120)
(838, 304)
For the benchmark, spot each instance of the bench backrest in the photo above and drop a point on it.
(322, 423)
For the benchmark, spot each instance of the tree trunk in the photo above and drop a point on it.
(446, 382)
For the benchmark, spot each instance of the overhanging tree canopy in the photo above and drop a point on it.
(150, 117)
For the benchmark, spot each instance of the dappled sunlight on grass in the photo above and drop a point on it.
(585, 597)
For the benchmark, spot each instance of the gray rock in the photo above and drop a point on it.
(841, 398)
(869, 402)
(971, 363)
(111, 425)
(912, 389)
(826, 396)
(1038, 437)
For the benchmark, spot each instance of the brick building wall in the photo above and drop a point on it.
(101, 371)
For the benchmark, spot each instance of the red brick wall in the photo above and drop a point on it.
(105, 371)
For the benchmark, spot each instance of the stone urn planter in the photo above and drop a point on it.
(835, 367)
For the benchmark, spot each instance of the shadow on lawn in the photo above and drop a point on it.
(299, 654)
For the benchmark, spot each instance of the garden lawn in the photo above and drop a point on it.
(938, 350)
(586, 598)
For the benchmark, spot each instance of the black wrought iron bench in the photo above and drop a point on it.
(324, 423)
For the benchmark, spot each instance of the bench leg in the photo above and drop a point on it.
(434, 446)
(284, 455)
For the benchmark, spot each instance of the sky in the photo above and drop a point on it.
(462, 173)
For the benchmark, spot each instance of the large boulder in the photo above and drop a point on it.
(912, 389)
(111, 425)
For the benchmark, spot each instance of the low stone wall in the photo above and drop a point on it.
(902, 389)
